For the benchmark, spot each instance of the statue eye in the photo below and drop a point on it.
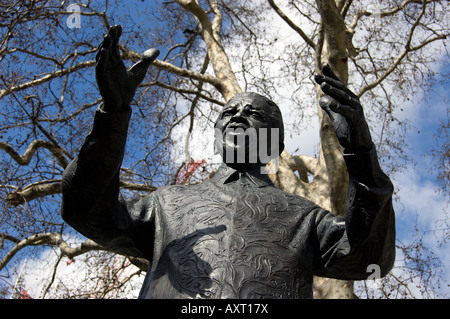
(256, 115)
(228, 113)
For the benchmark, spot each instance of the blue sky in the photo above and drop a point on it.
(421, 201)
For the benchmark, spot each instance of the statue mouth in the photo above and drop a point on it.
(236, 126)
(238, 135)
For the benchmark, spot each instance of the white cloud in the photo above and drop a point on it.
(420, 196)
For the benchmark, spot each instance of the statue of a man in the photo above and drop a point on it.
(234, 235)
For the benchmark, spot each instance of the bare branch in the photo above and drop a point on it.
(46, 78)
(54, 239)
(166, 66)
(216, 24)
(53, 187)
(52, 280)
(345, 6)
(184, 91)
(304, 164)
(295, 27)
(219, 59)
(383, 14)
(188, 73)
(137, 187)
(33, 191)
(31, 149)
(408, 49)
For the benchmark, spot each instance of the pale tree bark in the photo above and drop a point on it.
(210, 32)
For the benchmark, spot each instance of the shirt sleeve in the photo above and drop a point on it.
(92, 204)
(346, 246)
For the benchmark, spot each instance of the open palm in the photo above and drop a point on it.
(345, 112)
(118, 85)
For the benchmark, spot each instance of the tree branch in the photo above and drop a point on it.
(184, 91)
(53, 187)
(166, 66)
(31, 149)
(304, 164)
(33, 191)
(46, 78)
(344, 8)
(383, 14)
(295, 27)
(188, 73)
(210, 34)
(403, 54)
(137, 187)
(54, 239)
(216, 24)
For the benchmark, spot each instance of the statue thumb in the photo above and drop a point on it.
(139, 69)
(150, 55)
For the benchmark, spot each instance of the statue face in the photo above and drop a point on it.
(247, 131)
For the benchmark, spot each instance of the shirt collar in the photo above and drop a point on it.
(226, 174)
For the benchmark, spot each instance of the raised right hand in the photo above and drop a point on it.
(345, 112)
(117, 85)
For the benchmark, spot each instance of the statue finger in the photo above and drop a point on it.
(327, 71)
(114, 36)
(341, 109)
(341, 95)
(104, 45)
(327, 103)
(102, 59)
(115, 32)
(150, 55)
(335, 83)
(324, 103)
(330, 77)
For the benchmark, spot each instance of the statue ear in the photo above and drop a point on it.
(281, 147)
(216, 151)
(217, 142)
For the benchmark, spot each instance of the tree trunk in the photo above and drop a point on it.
(210, 32)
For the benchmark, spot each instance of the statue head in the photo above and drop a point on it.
(249, 131)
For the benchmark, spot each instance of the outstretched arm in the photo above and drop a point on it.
(90, 183)
(366, 235)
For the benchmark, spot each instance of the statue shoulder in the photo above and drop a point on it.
(292, 199)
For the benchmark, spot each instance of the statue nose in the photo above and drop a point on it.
(239, 118)
(239, 115)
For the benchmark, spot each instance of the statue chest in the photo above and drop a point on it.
(234, 242)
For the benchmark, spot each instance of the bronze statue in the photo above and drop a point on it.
(235, 235)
